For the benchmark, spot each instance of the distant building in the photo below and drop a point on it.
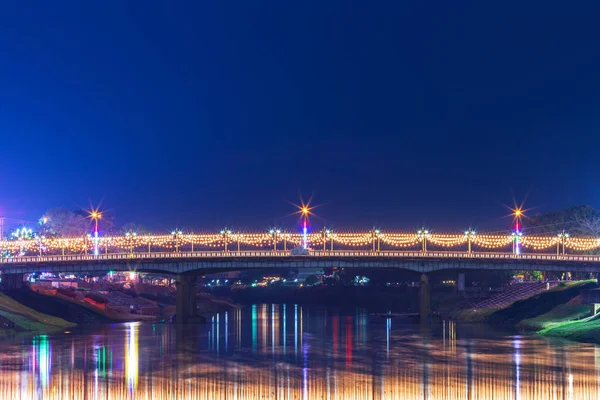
(224, 275)
(304, 273)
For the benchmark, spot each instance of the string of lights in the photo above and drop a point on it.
(25, 242)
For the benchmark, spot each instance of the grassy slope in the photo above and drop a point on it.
(27, 319)
(585, 330)
(540, 304)
(49, 303)
(558, 315)
(529, 308)
(470, 315)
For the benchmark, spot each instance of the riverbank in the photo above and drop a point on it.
(554, 313)
(77, 312)
(16, 317)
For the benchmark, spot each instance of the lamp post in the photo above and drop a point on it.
(274, 233)
(517, 236)
(130, 235)
(469, 234)
(39, 243)
(176, 234)
(191, 239)
(225, 234)
(87, 238)
(562, 239)
(423, 235)
(96, 216)
(375, 236)
(327, 235)
(305, 211)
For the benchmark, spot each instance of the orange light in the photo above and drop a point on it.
(305, 210)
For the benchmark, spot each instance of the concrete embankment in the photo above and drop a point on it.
(556, 312)
(16, 317)
(58, 307)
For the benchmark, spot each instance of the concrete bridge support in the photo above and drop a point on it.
(186, 310)
(12, 281)
(460, 283)
(425, 300)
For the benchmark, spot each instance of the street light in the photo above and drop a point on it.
(96, 216)
(87, 239)
(225, 233)
(131, 235)
(238, 238)
(375, 236)
(39, 240)
(274, 232)
(176, 234)
(191, 239)
(517, 236)
(470, 234)
(329, 235)
(423, 235)
(562, 238)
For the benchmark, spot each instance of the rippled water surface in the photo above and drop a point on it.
(291, 352)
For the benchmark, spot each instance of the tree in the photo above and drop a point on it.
(133, 227)
(311, 280)
(576, 220)
(64, 223)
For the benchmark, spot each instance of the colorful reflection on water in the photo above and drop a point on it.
(290, 352)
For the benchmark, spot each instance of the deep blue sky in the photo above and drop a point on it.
(217, 113)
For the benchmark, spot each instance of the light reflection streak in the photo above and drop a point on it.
(388, 329)
(296, 330)
(131, 357)
(284, 330)
(419, 367)
(517, 360)
(254, 328)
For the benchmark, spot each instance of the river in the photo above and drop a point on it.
(292, 352)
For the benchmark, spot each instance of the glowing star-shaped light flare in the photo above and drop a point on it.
(95, 215)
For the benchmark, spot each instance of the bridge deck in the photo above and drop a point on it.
(183, 262)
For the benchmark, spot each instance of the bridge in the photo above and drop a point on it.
(187, 255)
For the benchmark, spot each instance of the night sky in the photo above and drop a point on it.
(218, 113)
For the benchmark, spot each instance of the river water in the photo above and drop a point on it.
(292, 352)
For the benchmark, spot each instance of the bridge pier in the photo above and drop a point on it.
(460, 284)
(186, 310)
(425, 299)
(12, 281)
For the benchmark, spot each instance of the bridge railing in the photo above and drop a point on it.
(367, 240)
(135, 257)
